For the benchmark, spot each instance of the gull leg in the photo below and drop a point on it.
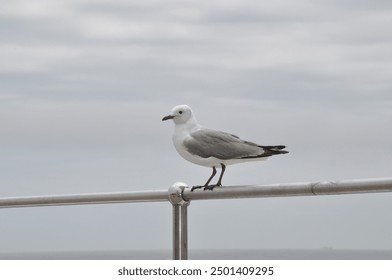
(212, 176)
(219, 183)
(208, 181)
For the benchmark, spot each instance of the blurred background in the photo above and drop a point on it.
(84, 85)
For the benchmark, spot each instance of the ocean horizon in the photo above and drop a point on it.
(219, 254)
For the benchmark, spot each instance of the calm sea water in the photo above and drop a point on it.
(321, 254)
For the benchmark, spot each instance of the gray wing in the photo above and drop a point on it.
(210, 143)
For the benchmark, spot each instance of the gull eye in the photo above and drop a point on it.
(180, 112)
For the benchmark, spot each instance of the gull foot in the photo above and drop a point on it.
(211, 187)
(196, 187)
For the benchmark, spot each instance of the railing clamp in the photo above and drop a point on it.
(176, 194)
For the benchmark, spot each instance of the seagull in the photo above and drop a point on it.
(212, 148)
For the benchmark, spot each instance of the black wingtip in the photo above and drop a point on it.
(270, 151)
(274, 150)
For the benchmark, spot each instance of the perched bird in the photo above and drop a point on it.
(212, 148)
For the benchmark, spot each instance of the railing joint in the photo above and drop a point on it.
(176, 194)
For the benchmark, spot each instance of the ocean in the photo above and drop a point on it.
(268, 254)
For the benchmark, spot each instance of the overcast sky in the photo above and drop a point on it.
(84, 85)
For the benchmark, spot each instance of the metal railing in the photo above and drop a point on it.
(180, 197)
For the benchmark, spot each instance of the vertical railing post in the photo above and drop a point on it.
(180, 221)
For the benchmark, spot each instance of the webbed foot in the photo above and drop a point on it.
(211, 187)
(196, 187)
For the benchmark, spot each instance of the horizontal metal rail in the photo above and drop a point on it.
(294, 189)
(82, 199)
(230, 192)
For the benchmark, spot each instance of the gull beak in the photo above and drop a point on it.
(169, 117)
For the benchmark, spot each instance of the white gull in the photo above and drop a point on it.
(212, 148)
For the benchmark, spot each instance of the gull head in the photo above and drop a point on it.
(180, 114)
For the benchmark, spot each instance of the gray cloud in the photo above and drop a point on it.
(84, 87)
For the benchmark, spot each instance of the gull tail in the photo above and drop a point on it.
(270, 151)
(273, 150)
